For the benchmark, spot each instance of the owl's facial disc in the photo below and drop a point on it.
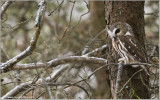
(116, 32)
(111, 33)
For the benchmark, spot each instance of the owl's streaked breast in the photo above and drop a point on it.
(119, 46)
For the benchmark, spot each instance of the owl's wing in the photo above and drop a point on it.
(133, 47)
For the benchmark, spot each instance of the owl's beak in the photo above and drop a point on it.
(111, 34)
(114, 37)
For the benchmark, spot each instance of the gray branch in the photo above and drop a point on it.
(118, 81)
(67, 60)
(16, 90)
(24, 86)
(100, 49)
(73, 59)
(38, 23)
(58, 61)
(5, 6)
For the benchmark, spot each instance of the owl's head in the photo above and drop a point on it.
(119, 29)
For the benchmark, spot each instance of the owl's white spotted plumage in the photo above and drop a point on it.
(125, 44)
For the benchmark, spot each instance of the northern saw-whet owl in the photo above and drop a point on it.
(126, 45)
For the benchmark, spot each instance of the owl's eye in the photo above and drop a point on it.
(117, 31)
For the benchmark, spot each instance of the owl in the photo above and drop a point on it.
(125, 44)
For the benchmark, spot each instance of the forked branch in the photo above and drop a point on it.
(38, 24)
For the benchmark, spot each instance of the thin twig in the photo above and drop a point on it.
(69, 24)
(144, 82)
(79, 87)
(97, 70)
(153, 51)
(129, 80)
(87, 5)
(90, 42)
(21, 22)
(40, 95)
(48, 91)
(56, 8)
(88, 86)
(15, 26)
(21, 97)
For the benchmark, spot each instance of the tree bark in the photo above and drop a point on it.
(131, 12)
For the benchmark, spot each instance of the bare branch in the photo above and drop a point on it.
(73, 59)
(48, 90)
(55, 76)
(147, 64)
(40, 95)
(96, 50)
(17, 90)
(154, 50)
(42, 65)
(26, 85)
(5, 6)
(58, 61)
(92, 53)
(38, 23)
(21, 97)
(118, 81)
(154, 14)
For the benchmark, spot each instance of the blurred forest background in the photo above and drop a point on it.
(81, 22)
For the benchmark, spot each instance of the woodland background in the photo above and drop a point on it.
(69, 30)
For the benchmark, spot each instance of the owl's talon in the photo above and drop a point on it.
(121, 59)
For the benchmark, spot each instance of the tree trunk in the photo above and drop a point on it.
(97, 24)
(131, 12)
(97, 20)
